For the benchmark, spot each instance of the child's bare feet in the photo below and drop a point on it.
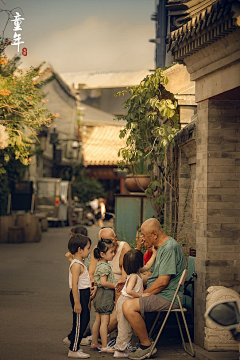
(95, 347)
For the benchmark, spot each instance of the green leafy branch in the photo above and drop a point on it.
(152, 120)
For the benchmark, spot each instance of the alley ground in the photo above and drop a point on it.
(34, 301)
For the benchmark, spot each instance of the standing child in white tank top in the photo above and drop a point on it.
(79, 283)
(133, 288)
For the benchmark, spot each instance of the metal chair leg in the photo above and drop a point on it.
(155, 321)
(192, 353)
(159, 333)
(180, 330)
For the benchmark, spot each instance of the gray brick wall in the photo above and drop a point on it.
(218, 201)
(186, 232)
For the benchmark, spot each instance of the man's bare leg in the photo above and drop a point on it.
(113, 322)
(131, 310)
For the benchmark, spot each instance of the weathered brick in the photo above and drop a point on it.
(231, 124)
(221, 176)
(221, 161)
(213, 227)
(215, 199)
(230, 112)
(228, 147)
(215, 139)
(228, 133)
(221, 234)
(219, 263)
(220, 118)
(221, 191)
(230, 212)
(231, 227)
(220, 205)
(221, 168)
(223, 248)
(230, 183)
(230, 241)
(218, 219)
(222, 256)
(232, 199)
(215, 125)
(214, 112)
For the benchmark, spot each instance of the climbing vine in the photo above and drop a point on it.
(152, 120)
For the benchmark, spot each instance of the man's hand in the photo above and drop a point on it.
(120, 284)
(93, 292)
(77, 308)
(146, 294)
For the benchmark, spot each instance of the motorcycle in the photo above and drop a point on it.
(226, 314)
(83, 215)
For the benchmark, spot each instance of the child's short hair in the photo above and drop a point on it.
(79, 230)
(77, 241)
(132, 261)
(102, 246)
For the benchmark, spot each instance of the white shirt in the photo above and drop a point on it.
(115, 262)
(138, 287)
(83, 280)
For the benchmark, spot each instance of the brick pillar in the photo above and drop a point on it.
(218, 201)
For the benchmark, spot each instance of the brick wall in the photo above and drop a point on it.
(218, 201)
(187, 177)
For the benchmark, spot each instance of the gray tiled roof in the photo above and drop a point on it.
(217, 16)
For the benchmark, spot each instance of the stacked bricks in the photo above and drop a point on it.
(187, 176)
(218, 201)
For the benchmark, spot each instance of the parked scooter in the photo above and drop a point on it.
(226, 314)
(83, 214)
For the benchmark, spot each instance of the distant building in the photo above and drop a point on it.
(84, 133)
(97, 89)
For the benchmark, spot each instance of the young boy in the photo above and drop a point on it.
(79, 283)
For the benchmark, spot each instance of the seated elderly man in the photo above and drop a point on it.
(168, 267)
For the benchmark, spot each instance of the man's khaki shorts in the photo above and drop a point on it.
(153, 303)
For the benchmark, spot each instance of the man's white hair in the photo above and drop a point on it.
(107, 229)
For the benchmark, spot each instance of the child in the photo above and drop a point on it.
(104, 299)
(74, 231)
(133, 288)
(79, 283)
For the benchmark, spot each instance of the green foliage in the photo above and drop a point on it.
(22, 115)
(86, 189)
(152, 121)
(22, 109)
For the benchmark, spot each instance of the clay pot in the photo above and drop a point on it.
(137, 183)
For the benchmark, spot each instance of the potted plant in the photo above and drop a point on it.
(138, 179)
(152, 120)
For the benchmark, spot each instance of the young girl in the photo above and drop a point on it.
(104, 299)
(133, 288)
(79, 283)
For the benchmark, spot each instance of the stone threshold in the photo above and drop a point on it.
(202, 354)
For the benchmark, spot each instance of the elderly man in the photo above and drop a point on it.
(168, 267)
(121, 249)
